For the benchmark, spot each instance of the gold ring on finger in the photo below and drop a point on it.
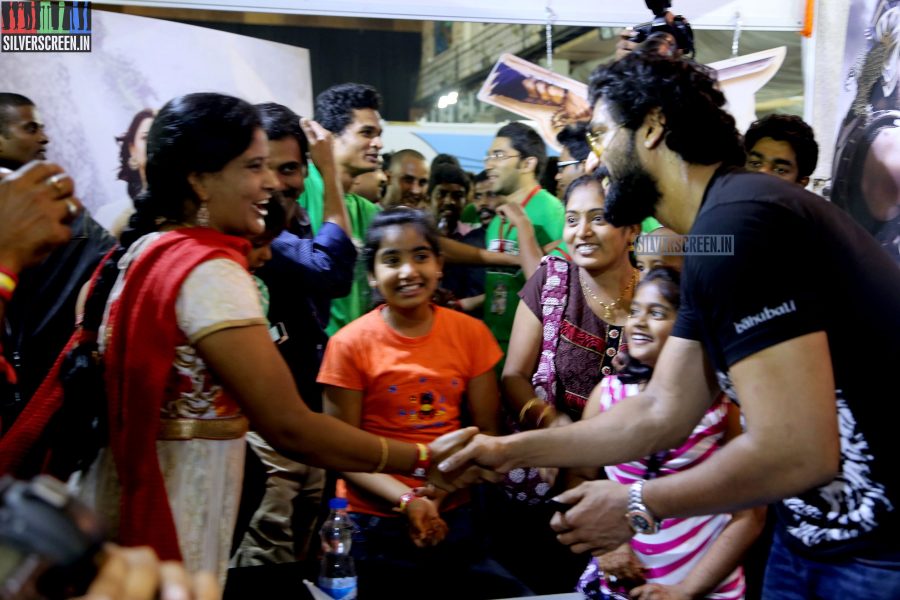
(56, 182)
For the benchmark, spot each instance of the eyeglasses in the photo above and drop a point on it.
(498, 155)
(567, 163)
(595, 140)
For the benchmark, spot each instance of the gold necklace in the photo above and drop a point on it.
(608, 308)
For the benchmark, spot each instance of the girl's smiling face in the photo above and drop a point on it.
(649, 323)
(407, 268)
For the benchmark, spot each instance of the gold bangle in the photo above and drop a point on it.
(543, 414)
(525, 408)
(384, 455)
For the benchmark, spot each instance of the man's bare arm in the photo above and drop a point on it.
(659, 418)
(791, 441)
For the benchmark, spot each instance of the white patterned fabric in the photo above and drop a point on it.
(202, 477)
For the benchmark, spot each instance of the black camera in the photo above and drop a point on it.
(48, 541)
(678, 28)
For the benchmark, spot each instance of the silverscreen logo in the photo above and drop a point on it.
(45, 26)
(685, 245)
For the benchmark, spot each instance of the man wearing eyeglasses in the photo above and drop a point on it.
(573, 138)
(514, 163)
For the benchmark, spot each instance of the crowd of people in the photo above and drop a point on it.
(520, 391)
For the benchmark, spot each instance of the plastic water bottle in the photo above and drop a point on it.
(337, 577)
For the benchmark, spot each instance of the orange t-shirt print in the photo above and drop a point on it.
(412, 387)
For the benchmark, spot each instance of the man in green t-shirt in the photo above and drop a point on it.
(350, 112)
(514, 163)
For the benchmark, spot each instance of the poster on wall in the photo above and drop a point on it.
(866, 168)
(97, 106)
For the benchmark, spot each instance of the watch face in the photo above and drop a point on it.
(641, 522)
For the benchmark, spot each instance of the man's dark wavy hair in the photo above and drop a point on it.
(281, 122)
(335, 106)
(791, 129)
(574, 138)
(527, 142)
(697, 127)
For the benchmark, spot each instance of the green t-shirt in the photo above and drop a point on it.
(469, 214)
(502, 284)
(361, 212)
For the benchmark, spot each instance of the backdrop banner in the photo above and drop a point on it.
(97, 105)
(866, 165)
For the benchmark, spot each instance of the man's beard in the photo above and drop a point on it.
(486, 214)
(632, 196)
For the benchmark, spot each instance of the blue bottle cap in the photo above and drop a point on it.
(337, 504)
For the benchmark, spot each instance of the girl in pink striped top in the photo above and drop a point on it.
(695, 557)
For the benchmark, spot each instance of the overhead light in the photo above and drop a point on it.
(448, 100)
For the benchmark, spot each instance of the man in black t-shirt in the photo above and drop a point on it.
(796, 317)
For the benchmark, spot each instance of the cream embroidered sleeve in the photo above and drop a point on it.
(218, 294)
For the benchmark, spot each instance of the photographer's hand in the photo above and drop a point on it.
(137, 574)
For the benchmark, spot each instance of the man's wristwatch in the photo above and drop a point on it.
(639, 516)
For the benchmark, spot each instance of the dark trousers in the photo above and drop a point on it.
(389, 565)
(793, 577)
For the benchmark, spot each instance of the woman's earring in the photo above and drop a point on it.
(631, 247)
(133, 163)
(203, 214)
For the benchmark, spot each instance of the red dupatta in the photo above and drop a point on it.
(143, 333)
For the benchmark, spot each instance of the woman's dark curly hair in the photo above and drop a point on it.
(668, 282)
(196, 133)
(697, 127)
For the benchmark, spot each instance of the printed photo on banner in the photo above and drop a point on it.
(549, 99)
(121, 84)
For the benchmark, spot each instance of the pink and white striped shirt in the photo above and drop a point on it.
(675, 549)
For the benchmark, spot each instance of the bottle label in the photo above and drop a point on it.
(341, 588)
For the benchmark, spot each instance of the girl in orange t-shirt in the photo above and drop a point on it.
(413, 371)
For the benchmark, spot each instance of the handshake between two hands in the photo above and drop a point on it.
(594, 519)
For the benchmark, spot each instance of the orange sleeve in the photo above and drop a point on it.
(344, 362)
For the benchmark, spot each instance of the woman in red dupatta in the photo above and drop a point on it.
(188, 360)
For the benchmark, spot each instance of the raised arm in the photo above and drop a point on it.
(458, 252)
(530, 252)
(321, 151)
